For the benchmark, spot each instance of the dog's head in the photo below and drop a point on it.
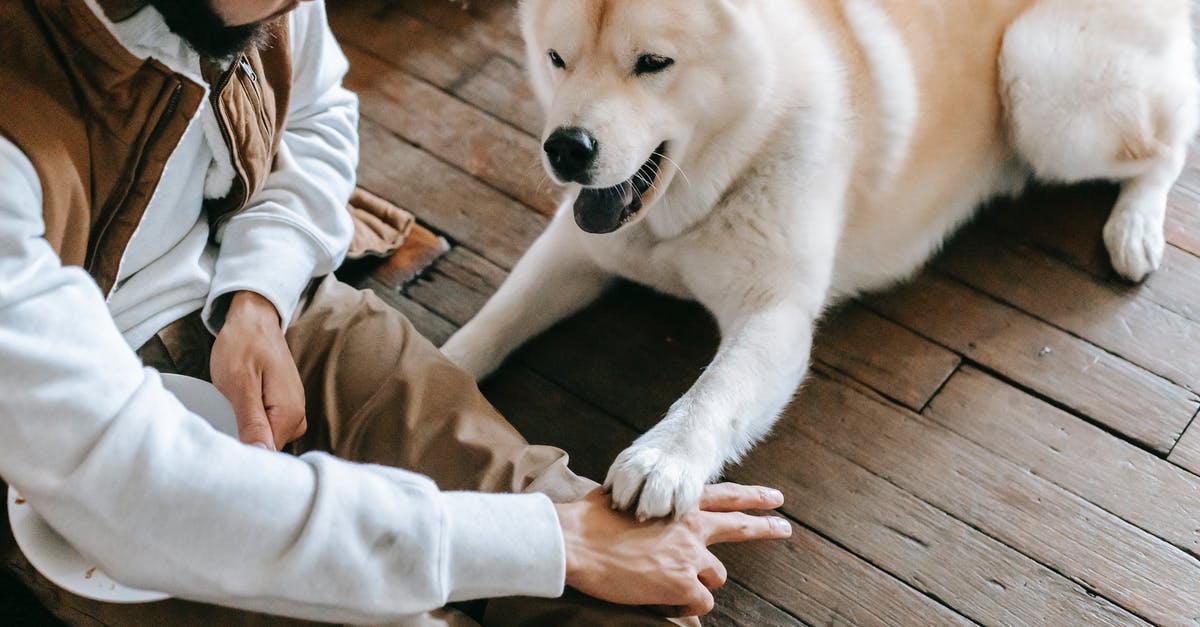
(629, 88)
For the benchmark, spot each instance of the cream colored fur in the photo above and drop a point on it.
(821, 148)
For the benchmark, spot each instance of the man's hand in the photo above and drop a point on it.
(252, 366)
(662, 563)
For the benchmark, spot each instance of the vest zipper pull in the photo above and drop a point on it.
(249, 70)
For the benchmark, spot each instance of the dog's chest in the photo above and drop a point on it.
(635, 256)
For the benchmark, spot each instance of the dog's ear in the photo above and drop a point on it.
(732, 12)
(526, 10)
(737, 5)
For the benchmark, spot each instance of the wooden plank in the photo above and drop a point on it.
(501, 88)
(1137, 486)
(823, 584)
(1142, 574)
(490, 25)
(547, 414)
(1067, 222)
(634, 353)
(937, 554)
(457, 286)
(440, 124)
(382, 28)
(1183, 215)
(883, 355)
(737, 606)
(1191, 171)
(1186, 453)
(1174, 284)
(1128, 399)
(427, 323)
(1120, 321)
(466, 211)
(1183, 205)
(21, 607)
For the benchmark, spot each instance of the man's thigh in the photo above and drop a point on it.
(380, 392)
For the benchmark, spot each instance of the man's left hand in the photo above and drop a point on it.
(252, 366)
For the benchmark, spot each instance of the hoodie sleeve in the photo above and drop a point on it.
(297, 227)
(159, 500)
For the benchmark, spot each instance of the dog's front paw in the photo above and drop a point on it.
(1135, 243)
(659, 482)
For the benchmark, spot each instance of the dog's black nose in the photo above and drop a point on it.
(572, 151)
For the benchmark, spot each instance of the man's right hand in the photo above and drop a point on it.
(663, 563)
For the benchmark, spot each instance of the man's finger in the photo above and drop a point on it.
(301, 429)
(739, 527)
(700, 604)
(283, 397)
(247, 401)
(287, 425)
(732, 497)
(715, 574)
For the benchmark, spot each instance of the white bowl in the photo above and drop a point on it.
(58, 561)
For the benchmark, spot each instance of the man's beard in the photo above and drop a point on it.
(205, 31)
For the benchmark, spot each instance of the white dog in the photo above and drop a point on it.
(771, 157)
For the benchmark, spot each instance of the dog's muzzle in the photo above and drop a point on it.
(604, 210)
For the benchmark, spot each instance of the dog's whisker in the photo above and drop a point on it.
(677, 167)
(648, 177)
(529, 173)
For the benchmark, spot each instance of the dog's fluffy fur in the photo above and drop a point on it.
(816, 149)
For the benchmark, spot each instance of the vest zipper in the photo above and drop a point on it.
(256, 87)
(110, 208)
(215, 99)
(248, 69)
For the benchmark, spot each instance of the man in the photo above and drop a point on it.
(172, 179)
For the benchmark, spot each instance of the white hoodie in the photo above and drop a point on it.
(149, 491)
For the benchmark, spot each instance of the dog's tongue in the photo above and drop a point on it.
(603, 210)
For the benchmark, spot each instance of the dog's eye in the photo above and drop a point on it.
(652, 64)
(557, 60)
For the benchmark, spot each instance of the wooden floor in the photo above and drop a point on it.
(1009, 440)
(1004, 441)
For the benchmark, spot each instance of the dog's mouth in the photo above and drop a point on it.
(604, 210)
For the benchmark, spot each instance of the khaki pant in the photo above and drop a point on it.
(377, 392)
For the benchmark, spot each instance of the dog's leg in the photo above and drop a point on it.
(762, 358)
(1106, 91)
(1133, 234)
(553, 280)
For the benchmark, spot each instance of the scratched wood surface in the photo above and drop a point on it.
(1006, 440)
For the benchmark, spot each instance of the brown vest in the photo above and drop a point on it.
(98, 124)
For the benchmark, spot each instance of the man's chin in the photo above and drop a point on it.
(203, 29)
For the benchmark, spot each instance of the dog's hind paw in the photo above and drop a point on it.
(1135, 243)
(658, 482)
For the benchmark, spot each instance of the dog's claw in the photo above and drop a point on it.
(655, 483)
(1135, 243)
